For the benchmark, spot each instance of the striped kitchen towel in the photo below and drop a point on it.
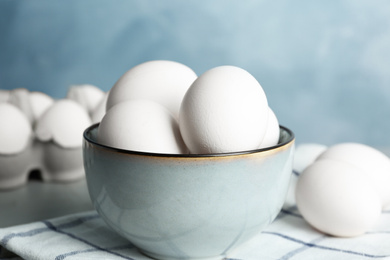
(86, 236)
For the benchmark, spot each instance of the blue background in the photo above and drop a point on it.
(325, 65)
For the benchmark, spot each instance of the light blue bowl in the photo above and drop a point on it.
(187, 206)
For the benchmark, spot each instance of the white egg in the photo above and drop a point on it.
(100, 110)
(306, 154)
(88, 96)
(39, 102)
(224, 110)
(141, 125)
(164, 82)
(272, 132)
(334, 198)
(15, 129)
(64, 123)
(374, 164)
(20, 97)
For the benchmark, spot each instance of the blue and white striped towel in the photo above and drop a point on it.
(86, 236)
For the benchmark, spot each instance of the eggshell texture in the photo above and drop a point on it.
(164, 82)
(15, 129)
(39, 102)
(374, 164)
(141, 125)
(89, 96)
(64, 123)
(224, 110)
(334, 198)
(272, 132)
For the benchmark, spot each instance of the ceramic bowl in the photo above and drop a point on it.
(187, 206)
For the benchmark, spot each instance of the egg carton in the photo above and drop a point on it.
(55, 164)
(39, 133)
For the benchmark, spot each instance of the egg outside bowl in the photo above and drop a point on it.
(187, 206)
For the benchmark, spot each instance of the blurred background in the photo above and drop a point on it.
(324, 65)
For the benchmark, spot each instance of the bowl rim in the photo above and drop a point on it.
(87, 138)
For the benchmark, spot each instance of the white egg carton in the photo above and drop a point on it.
(40, 133)
(55, 163)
